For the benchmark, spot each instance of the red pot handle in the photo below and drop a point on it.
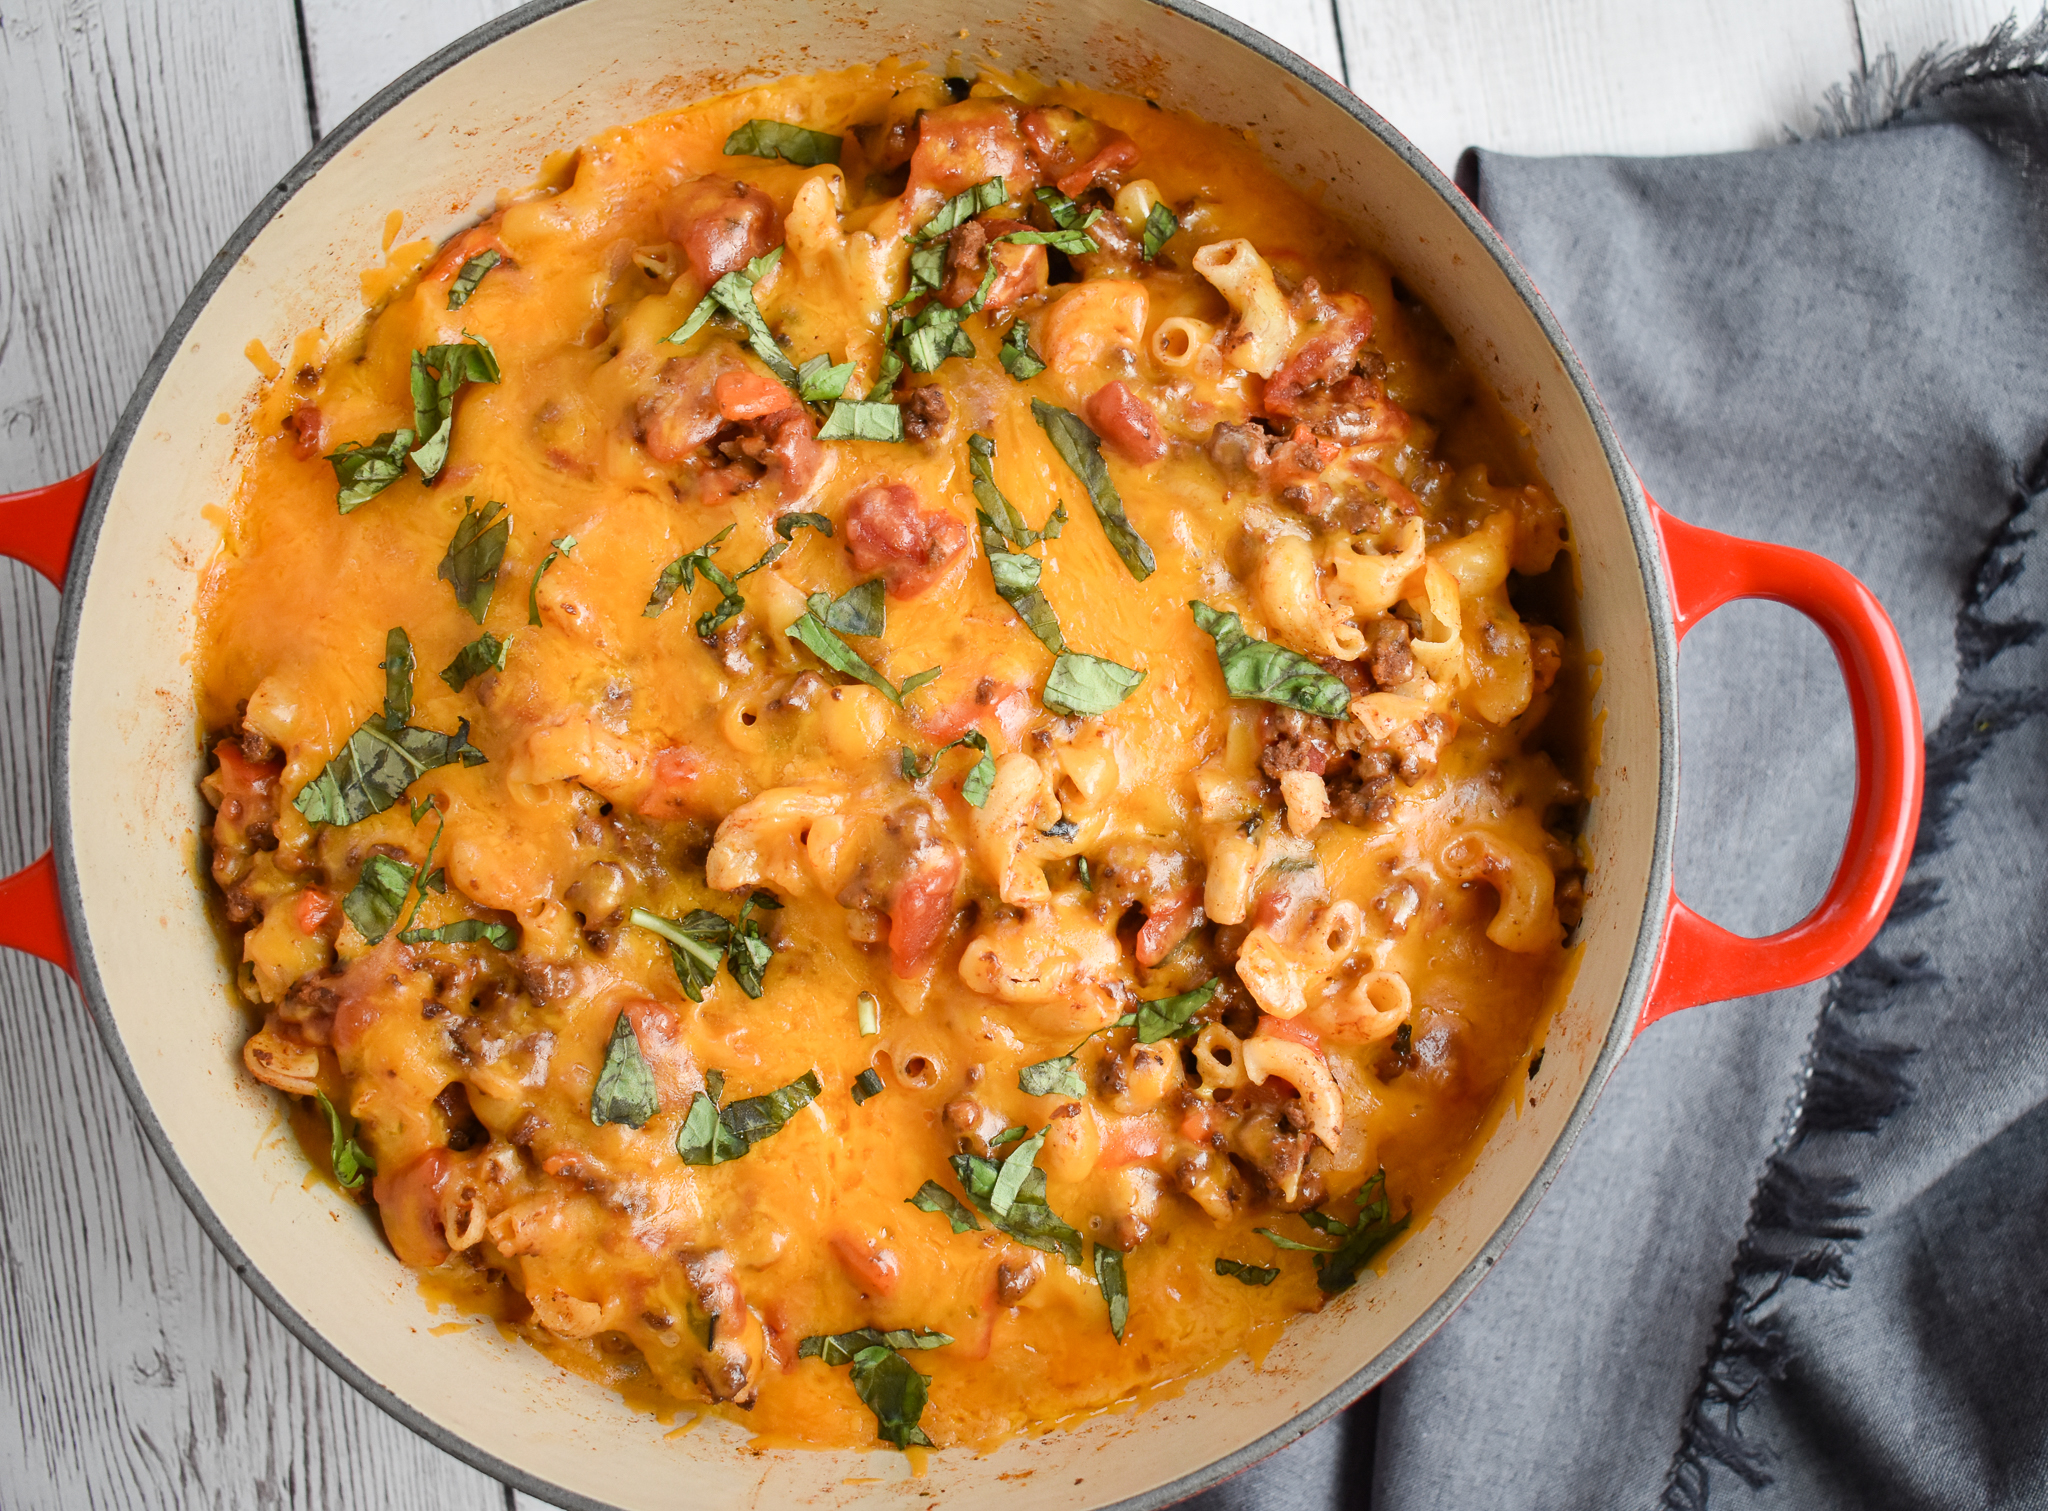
(1702, 962)
(39, 527)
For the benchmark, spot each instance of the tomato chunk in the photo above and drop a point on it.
(871, 1267)
(720, 225)
(1127, 422)
(312, 909)
(959, 146)
(409, 1202)
(1167, 923)
(890, 532)
(744, 394)
(921, 908)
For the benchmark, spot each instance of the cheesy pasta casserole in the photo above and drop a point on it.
(876, 757)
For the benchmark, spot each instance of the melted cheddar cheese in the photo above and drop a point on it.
(1362, 872)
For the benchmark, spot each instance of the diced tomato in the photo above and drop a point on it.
(1125, 1141)
(921, 908)
(311, 910)
(675, 771)
(1198, 1124)
(1287, 1028)
(1127, 422)
(1167, 923)
(888, 531)
(793, 449)
(1324, 357)
(1010, 707)
(409, 1201)
(309, 432)
(873, 1268)
(744, 394)
(660, 1035)
(961, 145)
(1074, 150)
(681, 413)
(482, 237)
(720, 225)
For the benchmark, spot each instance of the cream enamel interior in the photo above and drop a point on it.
(134, 814)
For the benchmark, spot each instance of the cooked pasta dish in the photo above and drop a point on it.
(891, 758)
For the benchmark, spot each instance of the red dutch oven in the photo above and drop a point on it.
(118, 900)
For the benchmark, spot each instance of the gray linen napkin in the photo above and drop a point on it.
(1797, 1257)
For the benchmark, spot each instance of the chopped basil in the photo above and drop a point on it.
(366, 469)
(793, 144)
(486, 653)
(557, 547)
(398, 664)
(1007, 1136)
(1282, 1241)
(475, 552)
(372, 771)
(438, 374)
(840, 1348)
(1109, 1274)
(1016, 355)
(1272, 673)
(963, 207)
(1160, 225)
(711, 1135)
(865, 1085)
(471, 275)
(869, 1006)
(1016, 1165)
(932, 335)
(467, 931)
(1250, 1274)
(697, 945)
(1027, 1218)
(1081, 449)
(885, 381)
(351, 1161)
(1087, 685)
(933, 1197)
(818, 380)
(927, 273)
(975, 788)
(1002, 514)
(811, 632)
(895, 1393)
(1169, 1017)
(682, 573)
(625, 1086)
(980, 295)
(1067, 214)
(1370, 1231)
(1081, 870)
(863, 420)
(730, 603)
(1051, 1078)
(1002, 527)
(734, 294)
(860, 610)
(1074, 241)
(750, 954)
(373, 903)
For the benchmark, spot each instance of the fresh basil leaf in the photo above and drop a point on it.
(351, 1161)
(1087, 685)
(1171, 1016)
(1081, 449)
(978, 782)
(1016, 1165)
(860, 610)
(366, 469)
(840, 1348)
(437, 879)
(1372, 1230)
(869, 1006)
(1109, 1275)
(1030, 1220)
(818, 380)
(373, 903)
(1081, 870)
(1052, 1078)
(1250, 1274)
(486, 653)
(1282, 1241)
(750, 953)
(438, 374)
(1017, 356)
(372, 771)
(1160, 226)
(866, 1085)
(863, 420)
(1322, 1222)
(963, 207)
(793, 144)
(895, 1393)
(419, 807)
(1067, 214)
(1007, 1136)
(397, 666)
(1272, 673)
(1002, 514)
(697, 945)
(682, 573)
(916, 680)
(885, 379)
(927, 272)
(730, 1132)
(475, 552)
(734, 294)
(1016, 578)
(557, 546)
(1075, 242)
(980, 295)
(467, 931)
(730, 604)
(625, 1086)
(933, 1197)
(811, 633)
(932, 336)
(471, 275)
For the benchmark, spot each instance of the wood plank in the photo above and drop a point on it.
(141, 1371)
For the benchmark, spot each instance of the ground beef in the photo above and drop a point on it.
(1386, 652)
(1297, 741)
(926, 412)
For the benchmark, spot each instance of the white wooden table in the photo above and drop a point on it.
(137, 1370)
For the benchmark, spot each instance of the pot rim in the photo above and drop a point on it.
(1649, 936)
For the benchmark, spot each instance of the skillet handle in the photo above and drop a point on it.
(39, 527)
(1702, 962)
